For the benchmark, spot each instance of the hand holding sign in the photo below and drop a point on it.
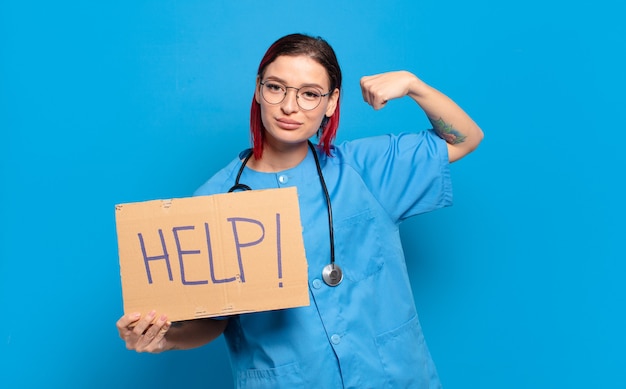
(144, 334)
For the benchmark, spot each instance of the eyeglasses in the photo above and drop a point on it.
(307, 97)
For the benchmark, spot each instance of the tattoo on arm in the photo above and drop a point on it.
(447, 132)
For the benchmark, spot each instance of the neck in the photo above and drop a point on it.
(275, 160)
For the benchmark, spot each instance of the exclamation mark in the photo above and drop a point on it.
(278, 253)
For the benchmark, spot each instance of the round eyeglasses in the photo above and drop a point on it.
(307, 97)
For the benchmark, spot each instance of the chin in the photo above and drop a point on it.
(289, 138)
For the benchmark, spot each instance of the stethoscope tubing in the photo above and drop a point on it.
(331, 233)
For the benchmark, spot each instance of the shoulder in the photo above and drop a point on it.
(223, 180)
(412, 146)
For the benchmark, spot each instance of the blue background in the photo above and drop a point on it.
(519, 285)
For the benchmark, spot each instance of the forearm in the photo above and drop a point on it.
(193, 333)
(449, 121)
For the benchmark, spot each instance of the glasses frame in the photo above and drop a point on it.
(262, 84)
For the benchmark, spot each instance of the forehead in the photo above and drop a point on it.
(297, 70)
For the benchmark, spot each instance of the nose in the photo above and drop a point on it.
(290, 102)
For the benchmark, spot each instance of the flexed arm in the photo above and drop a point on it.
(449, 121)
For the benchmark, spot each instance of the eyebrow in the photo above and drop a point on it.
(278, 79)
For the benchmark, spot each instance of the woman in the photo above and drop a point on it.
(361, 329)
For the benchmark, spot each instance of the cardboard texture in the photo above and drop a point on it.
(214, 255)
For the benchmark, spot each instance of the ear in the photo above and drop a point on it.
(257, 90)
(332, 102)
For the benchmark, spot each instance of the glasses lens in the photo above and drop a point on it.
(309, 98)
(273, 92)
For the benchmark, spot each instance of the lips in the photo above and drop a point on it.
(288, 124)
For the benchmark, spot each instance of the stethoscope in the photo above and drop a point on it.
(331, 273)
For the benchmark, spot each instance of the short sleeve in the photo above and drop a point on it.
(407, 173)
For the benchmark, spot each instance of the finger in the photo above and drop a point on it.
(154, 329)
(371, 98)
(125, 328)
(127, 320)
(377, 99)
(160, 341)
(374, 93)
(364, 91)
(366, 83)
(152, 339)
(143, 324)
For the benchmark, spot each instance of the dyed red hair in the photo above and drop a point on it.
(320, 51)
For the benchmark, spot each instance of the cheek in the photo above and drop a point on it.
(316, 120)
(266, 114)
(320, 115)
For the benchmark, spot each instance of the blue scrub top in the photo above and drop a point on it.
(363, 333)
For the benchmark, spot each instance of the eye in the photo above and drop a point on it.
(274, 87)
(310, 94)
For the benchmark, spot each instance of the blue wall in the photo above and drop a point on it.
(519, 285)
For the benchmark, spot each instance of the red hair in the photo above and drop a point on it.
(318, 50)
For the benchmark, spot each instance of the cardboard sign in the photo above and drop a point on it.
(213, 255)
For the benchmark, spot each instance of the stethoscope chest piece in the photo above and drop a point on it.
(332, 274)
